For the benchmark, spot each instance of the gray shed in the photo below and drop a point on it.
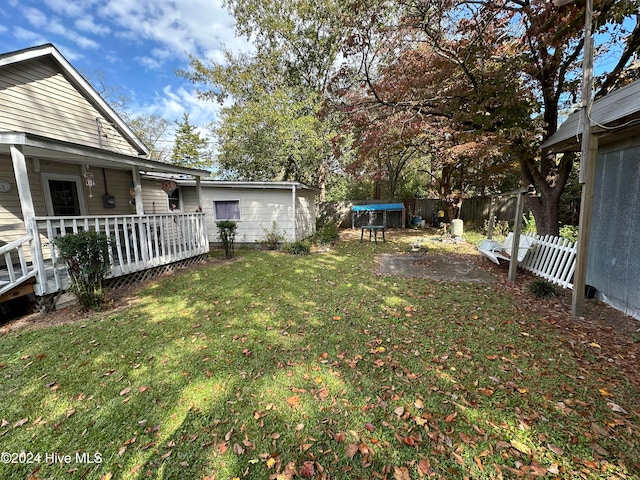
(613, 259)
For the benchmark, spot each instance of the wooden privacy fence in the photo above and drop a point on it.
(552, 258)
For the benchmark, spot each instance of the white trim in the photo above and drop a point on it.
(46, 176)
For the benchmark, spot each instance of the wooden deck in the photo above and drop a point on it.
(138, 243)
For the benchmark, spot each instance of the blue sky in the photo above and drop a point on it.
(135, 45)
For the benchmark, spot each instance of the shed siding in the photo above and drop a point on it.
(305, 214)
(259, 208)
(614, 253)
(36, 98)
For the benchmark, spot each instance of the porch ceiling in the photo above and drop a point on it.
(46, 149)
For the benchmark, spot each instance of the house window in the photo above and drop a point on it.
(227, 209)
(174, 200)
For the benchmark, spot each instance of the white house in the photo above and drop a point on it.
(68, 162)
(255, 206)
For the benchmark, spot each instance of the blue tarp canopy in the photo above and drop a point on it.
(377, 207)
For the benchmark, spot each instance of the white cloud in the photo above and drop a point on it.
(87, 24)
(28, 36)
(35, 17)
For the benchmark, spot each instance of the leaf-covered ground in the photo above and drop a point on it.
(278, 366)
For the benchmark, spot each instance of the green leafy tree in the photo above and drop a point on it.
(273, 125)
(190, 148)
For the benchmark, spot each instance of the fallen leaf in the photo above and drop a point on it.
(351, 449)
(418, 404)
(401, 473)
(142, 389)
(125, 391)
(369, 426)
(19, 423)
(399, 411)
(293, 400)
(617, 408)
(424, 466)
(70, 412)
(599, 450)
(307, 469)
(555, 449)
(521, 447)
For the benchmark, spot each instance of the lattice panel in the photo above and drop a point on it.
(144, 275)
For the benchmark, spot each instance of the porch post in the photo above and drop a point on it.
(199, 192)
(135, 172)
(22, 182)
(28, 213)
(517, 229)
(584, 232)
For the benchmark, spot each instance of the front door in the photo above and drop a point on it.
(63, 195)
(64, 198)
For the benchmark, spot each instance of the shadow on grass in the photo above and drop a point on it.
(240, 369)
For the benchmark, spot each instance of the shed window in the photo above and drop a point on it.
(227, 209)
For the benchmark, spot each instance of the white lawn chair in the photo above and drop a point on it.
(495, 251)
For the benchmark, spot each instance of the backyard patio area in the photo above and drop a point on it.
(324, 366)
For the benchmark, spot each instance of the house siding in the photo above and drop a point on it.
(11, 219)
(614, 255)
(36, 98)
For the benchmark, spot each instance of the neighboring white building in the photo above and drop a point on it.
(255, 206)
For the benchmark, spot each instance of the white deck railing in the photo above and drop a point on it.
(552, 258)
(137, 242)
(14, 268)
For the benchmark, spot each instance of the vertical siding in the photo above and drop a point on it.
(36, 98)
(614, 255)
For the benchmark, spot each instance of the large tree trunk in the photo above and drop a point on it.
(549, 180)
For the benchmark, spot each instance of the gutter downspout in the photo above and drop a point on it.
(293, 210)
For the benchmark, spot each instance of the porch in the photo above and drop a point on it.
(138, 243)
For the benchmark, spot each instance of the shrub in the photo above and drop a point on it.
(86, 256)
(227, 234)
(570, 232)
(300, 247)
(326, 234)
(272, 238)
(529, 223)
(540, 288)
(500, 227)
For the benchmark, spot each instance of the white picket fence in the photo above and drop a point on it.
(552, 258)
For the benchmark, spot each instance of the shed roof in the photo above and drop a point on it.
(378, 207)
(613, 117)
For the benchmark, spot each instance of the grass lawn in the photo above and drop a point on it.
(280, 366)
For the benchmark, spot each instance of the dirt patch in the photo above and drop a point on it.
(446, 267)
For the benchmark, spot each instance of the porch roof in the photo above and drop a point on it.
(614, 118)
(42, 148)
